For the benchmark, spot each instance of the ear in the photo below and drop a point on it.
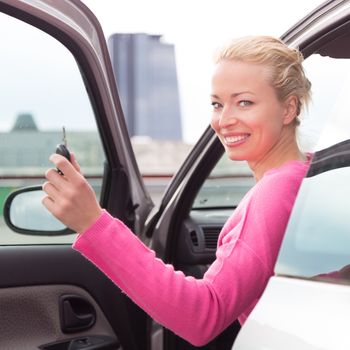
(291, 109)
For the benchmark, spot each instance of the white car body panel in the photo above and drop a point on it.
(295, 314)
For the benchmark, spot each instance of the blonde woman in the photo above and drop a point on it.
(258, 91)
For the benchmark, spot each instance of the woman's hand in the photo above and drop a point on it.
(70, 198)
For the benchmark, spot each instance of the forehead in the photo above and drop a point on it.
(232, 72)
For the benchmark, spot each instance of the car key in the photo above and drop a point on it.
(62, 149)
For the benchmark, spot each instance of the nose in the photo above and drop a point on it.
(227, 117)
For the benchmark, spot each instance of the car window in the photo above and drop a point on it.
(225, 186)
(41, 91)
(317, 239)
(145, 71)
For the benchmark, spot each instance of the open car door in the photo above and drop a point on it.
(56, 72)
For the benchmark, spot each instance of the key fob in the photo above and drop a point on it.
(63, 151)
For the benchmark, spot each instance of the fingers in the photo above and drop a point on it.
(54, 179)
(49, 204)
(74, 162)
(67, 168)
(49, 201)
(50, 189)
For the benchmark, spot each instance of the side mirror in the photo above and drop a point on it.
(24, 213)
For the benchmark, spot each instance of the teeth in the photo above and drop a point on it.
(232, 139)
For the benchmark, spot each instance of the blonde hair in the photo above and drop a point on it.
(284, 63)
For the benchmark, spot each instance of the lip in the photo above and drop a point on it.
(235, 140)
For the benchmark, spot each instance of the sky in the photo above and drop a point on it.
(197, 28)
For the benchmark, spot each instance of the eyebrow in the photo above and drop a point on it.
(234, 94)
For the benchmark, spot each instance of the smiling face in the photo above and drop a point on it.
(249, 119)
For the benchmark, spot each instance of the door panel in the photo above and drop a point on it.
(34, 312)
(41, 267)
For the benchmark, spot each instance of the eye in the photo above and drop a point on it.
(245, 103)
(216, 105)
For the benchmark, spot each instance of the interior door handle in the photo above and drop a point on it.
(76, 313)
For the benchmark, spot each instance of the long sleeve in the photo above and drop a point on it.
(199, 309)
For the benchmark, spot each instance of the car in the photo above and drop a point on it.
(53, 298)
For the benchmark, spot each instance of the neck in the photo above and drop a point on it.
(284, 151)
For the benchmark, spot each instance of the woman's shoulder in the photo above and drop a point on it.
(280, 185)
(291, 169)
(274, 192)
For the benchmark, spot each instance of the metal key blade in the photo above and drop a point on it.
(64, 138)
(62, 148)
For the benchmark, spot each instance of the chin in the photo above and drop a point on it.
(236, 157)
(238, 154)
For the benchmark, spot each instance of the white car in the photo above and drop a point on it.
(51, 298)
(306, 304)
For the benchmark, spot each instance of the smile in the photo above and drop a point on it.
(229, 140)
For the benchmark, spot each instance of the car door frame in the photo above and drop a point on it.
(123, 193)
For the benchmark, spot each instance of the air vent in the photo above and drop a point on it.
(211, 235)
(194, 238)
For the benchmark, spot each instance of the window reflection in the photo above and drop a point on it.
(318, 235)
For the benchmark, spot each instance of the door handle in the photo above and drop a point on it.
(76, 313)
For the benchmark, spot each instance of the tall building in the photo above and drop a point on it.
(146, 77)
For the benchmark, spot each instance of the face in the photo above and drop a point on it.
(247, 116)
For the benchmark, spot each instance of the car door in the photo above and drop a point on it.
(56, 72)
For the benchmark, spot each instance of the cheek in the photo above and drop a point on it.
(214, 122)
(270, 121)
(271, 132)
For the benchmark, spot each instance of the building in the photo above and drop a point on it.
(25, 151)
(145, 71)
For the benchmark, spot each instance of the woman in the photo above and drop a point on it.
(258, 91)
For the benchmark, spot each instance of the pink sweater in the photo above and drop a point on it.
(200, 309)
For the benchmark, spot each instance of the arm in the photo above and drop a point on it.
(197, 310)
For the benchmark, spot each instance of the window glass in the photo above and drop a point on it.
(146, 74)
(317, 242)
(41, 91)
(326, 122)
(225, 186)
